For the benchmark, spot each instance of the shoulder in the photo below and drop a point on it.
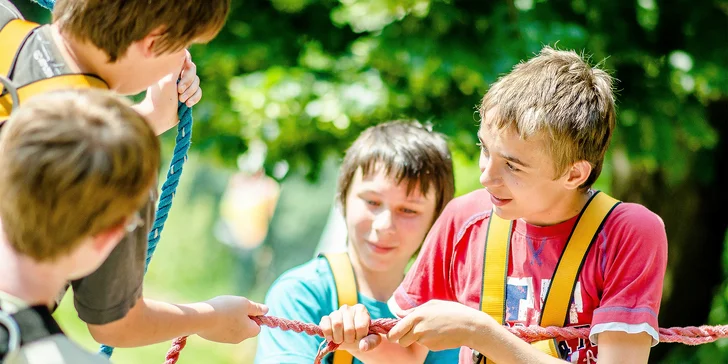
(469, 208)
(635, 221)
(310, 283)
(8, 12)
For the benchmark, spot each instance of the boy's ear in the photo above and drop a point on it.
(577, 174)
(107, 239)
(148, 43)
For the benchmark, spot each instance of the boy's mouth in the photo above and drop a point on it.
(379, 249)
(499, 201)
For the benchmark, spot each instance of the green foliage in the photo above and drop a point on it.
(306, 77)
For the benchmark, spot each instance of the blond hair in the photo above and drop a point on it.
(113, 25)
(407, 152)
(559, 95)
(72, 164)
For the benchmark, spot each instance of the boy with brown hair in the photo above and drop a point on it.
(538, 246)
(127, 46)
(394, 181)
(76, 167)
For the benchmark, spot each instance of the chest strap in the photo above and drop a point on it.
(12, 36)
(31, 324)
(346, 292)
(560, 292)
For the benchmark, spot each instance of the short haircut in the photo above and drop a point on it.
(558, 94)
(113, 25)
(408, 152)
(72, 164)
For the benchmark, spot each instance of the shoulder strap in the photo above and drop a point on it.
(49, 84)
(34, 323)
(346, 292)
(561, 289)
(558, 297)
(12, 36)
(495, 267)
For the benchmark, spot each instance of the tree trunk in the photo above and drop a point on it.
(696, 224)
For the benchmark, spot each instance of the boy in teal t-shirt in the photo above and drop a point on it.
(394, 181)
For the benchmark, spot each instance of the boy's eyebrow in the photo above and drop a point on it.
(507, 157)
(515, 160)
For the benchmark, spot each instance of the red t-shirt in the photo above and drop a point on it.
(619, 287)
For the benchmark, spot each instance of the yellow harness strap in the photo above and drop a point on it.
(49, 84)
(346, 292)
(12, 36)
(558, 297)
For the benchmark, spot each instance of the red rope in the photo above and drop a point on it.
(690, 335)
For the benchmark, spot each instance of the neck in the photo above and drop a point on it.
(379, 285)
(34, 282)
(566, 207)
(83, 57)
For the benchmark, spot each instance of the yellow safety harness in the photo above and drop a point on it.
(12, 36)
(559, 295)
(346, 292)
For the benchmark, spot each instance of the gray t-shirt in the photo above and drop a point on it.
(54, 349)
(109, 293)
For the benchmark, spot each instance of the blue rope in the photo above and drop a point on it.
(169, 188)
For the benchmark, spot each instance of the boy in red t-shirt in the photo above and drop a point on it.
(545, 128)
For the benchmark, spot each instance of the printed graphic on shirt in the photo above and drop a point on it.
(522, 309)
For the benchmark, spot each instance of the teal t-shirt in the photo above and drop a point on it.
(307, 293)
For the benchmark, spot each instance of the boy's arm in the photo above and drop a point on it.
(160, 105)
(439, 325)
(221, 319)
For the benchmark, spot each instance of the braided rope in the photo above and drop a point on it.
(690, 335)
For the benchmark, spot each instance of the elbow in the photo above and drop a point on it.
(111, 334)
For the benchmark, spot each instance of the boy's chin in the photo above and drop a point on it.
(505, 214)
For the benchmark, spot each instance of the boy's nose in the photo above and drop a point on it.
(383, 221)
(488, 177)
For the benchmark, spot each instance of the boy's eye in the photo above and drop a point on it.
(512, 167)
(482, 148)
(372, 203)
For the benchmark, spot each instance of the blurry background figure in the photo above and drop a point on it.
(247, 208)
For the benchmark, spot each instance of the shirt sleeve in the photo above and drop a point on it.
(429, 276)
(108, 294)
(633, 268)
(293, 298)
(8, 12)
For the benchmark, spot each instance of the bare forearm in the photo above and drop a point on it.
(499, 345)
(151, 322)
(159, 121)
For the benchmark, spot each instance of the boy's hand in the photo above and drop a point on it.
(188, 87)
(159, 106)
(232, 324)
(347, 326)
(438, 325)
